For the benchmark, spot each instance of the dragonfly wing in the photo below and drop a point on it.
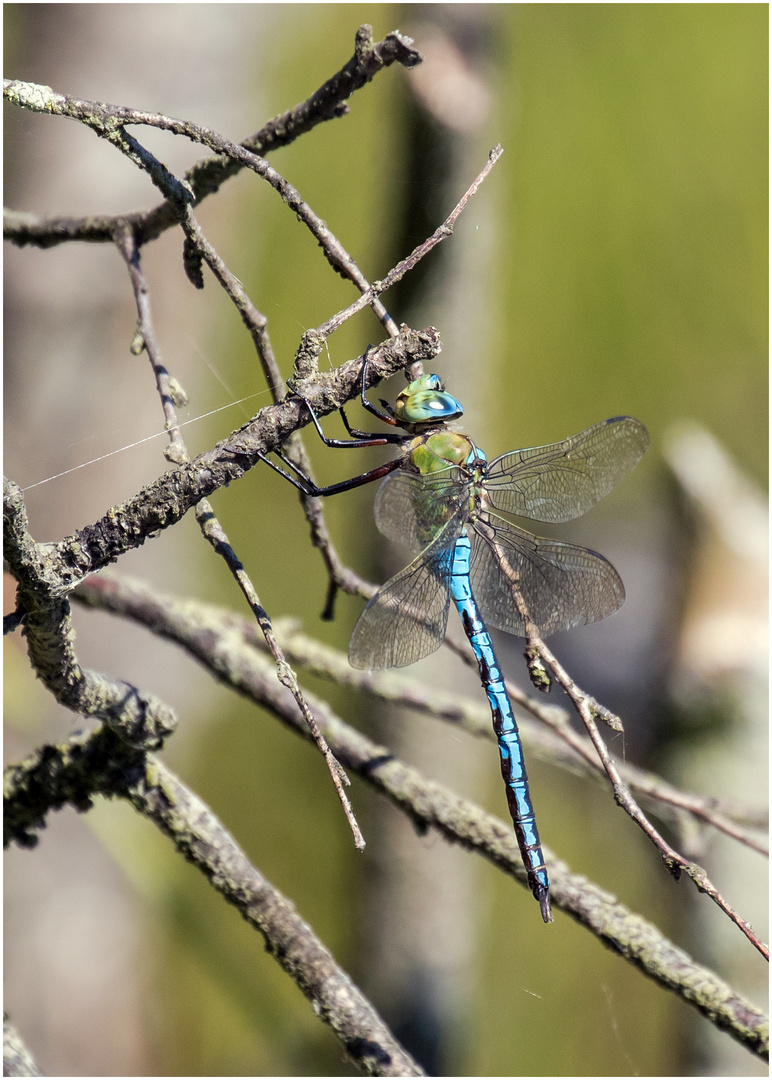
(407, 617)
(411, 508)
(562, 585)
(564, 480)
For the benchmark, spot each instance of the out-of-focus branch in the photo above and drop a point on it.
(17, 1060)
(97, 762)
(205, 177)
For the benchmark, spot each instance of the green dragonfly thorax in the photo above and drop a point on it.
(435, 453)
(449, 464)
(425, 401)
(439, 451)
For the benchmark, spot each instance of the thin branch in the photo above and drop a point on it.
(559, 745)
(339, 575)
(215, 534)
(669, 802)
(213, 530)
(586, 707)
(440, 233)
(127, 595)
(108, 120)
(97, 762)
(541, 659)
(205, 177)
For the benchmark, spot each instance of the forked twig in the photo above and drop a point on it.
(440, 233)
(205, 177)
(340, 576)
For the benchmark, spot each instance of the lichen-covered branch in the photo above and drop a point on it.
(99, 763)
(173, 494)
(140, 718)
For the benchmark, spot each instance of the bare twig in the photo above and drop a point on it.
(214, 533)
(440, 233)
(474, 717)
(673, 860)
(204, 178)
(108, 120)
(560, 745)
(341, 576)
(588, 709)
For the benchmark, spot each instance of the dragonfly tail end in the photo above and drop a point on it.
(542, 894)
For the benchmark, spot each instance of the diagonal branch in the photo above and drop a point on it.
(205, 177)
(97, 762)
(440, 233)
(670, 803)
(587, 709)
(108, 120)
(165, 501)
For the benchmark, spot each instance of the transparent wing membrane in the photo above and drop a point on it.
(562, 585)
(407, 617)
(411, 509)
(564, 480)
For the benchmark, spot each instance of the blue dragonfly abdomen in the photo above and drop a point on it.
(504, 725)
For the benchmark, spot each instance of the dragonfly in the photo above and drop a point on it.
(450, 506)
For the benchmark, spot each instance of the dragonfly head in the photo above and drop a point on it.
(425, 401)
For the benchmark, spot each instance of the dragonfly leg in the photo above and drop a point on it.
(308, 487)
(355, 433)
(388, 416)
(360, 438)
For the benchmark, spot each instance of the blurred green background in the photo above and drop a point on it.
(614, 262)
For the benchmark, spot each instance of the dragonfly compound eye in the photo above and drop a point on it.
(427, 407)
